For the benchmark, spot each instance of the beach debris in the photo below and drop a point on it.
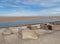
(29, 34)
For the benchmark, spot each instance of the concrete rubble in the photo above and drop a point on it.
(15, 35)
(26, 33)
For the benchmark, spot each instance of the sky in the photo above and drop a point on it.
(29, 7)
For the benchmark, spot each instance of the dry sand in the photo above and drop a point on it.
(2, 19)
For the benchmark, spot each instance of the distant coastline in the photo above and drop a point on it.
(13, 18)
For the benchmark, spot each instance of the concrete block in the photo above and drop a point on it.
(29, 34)
(23, 27)
(44, 26)
(35, 26)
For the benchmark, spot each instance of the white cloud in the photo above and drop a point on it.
(51, 11)
(46, 12)
(44, 3)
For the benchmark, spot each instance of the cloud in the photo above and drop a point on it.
(43, 3)
(51, 12)
(45, 12)
(26, 7)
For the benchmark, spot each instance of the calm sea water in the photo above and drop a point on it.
(25, 22)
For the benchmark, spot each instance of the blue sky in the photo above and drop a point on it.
(29, 7)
